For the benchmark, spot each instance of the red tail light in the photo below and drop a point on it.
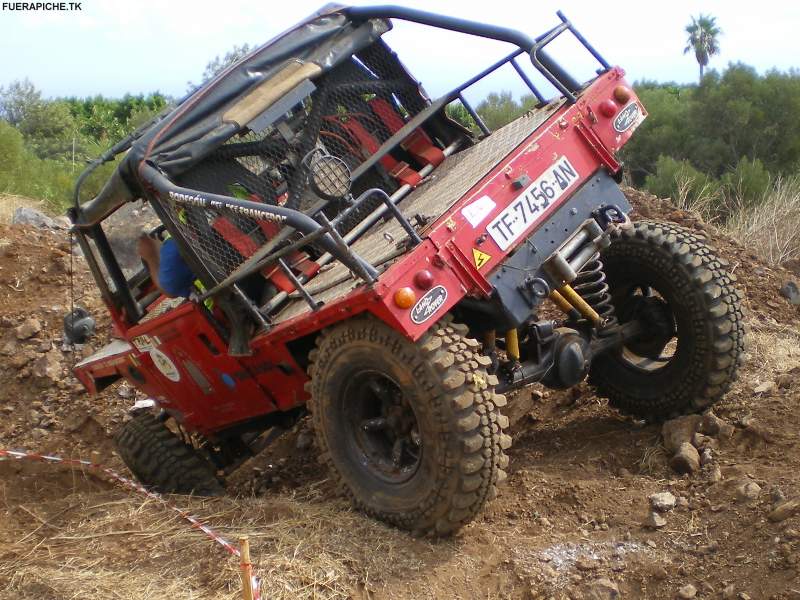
(423, 279)
(607, 108)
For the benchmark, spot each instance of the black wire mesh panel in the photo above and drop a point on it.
(329, 176)
(354, 108)
(222, 238)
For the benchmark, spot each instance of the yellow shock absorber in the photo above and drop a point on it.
(561, 302)
(574, 298)
(512, 344)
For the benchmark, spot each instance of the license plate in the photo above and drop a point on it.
(525, 209)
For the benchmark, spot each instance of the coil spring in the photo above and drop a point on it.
(591, 285)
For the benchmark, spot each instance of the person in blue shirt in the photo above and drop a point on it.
(167, 268)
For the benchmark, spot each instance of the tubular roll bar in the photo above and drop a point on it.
(295, 219)
(540, 59)
(543, 62)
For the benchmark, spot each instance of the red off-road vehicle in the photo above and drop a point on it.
(362, 256)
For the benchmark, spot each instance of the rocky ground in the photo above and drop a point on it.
(593, 508)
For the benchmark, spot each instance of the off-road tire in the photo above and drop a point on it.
(162, 461)
(458, 413)
(707, 308)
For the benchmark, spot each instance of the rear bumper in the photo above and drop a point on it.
(511, 279)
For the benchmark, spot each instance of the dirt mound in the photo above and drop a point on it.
(759, 283)
(573, 521)
(11, 202)
(42, 405)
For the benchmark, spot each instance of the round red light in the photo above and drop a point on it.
(622, 94)
(423, 279)
(607, 108)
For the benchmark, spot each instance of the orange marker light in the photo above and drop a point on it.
(405, 297)
(622, 94)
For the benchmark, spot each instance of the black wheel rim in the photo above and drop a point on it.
(660, 345)
(383, 426)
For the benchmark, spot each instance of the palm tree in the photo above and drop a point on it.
(703, 33)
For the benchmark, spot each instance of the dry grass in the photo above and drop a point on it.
(103, 543)
(9, 203)
(773, 347)
(701, 201)
(653, 459)
(771, 227)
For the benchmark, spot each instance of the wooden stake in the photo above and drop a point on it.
(246, 568)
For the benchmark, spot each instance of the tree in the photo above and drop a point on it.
(499, 109)
(664, 131)
(220, 63)
(49, 129)
(17, 101)
(703, 39)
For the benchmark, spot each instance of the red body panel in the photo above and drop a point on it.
(209, 390)
(451, 238)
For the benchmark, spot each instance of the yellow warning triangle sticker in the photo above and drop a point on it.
(480, 258)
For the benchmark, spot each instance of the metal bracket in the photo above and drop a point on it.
(594, 142)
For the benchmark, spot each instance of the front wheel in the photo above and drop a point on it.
(666, 277)
(412, 431)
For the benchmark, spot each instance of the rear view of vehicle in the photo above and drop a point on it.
(363, 257)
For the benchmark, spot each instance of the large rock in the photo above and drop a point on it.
(677, 432)
(784, 510)
(790, 291)
(25, 215)
(48, 366)
(603, 589)
(765, 387)
(686, 459)
(663, 501)
(713, 426)
(28, 328)
(747, 491)
(654, 521)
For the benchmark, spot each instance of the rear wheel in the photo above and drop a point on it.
(669, 279)
(162, 461)
(412, 431)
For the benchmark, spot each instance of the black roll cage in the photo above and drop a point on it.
(154, 180)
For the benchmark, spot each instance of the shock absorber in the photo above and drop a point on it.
(592, 287)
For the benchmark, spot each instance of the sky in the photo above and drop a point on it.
(111, 47)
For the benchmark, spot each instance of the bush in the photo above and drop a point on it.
(747, 184)
(689, 188)
(459, 114)
(23, 173)
(662, 133)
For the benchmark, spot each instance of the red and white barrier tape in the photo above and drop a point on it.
(130, 484)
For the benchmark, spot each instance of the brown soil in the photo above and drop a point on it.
(570, 514)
